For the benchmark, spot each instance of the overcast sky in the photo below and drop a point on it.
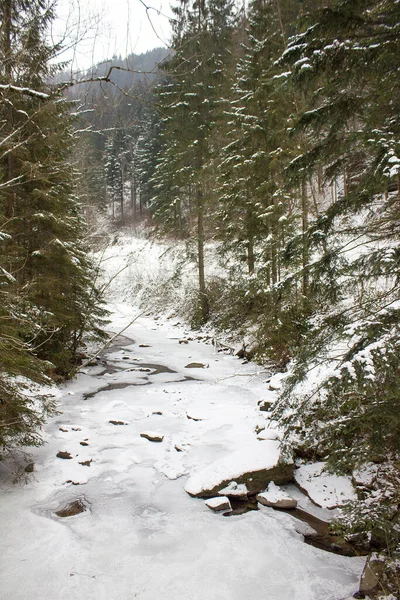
(95, 30)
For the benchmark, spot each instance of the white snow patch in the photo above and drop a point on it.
(324, 489)
(255, 457)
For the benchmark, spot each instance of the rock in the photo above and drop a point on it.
(305, 529)
(63, 429)
(196, 365)
(157, 412)
(84, 444)
(183, 341)
(371, 576)
(269, 434)
(365, 477)
(255, 465)
(265, 405)
(275, 497)
(235, 490)
(178, 449)
(259, 428)
(86, 463)
(144, 346)
(73, 508)
(76, 429)
(193, 418)
(218, 504)
(30, 467)
(152, 437)
(65, 455)
(117, 422)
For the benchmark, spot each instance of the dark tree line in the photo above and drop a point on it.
(49, 300)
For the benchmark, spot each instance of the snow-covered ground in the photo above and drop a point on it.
(140, 534)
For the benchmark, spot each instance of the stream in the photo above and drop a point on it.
(103, 514)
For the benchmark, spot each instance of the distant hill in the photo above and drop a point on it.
(125, 74)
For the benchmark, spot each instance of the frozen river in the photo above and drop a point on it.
(140, 535)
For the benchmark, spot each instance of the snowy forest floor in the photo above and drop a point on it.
(140, 535)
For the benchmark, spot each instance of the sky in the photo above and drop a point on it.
(94, 30)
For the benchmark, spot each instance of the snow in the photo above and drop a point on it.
(325, 489)
(141, 534)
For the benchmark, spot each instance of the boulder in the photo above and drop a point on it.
(196, 365)
(372, 574)
(275, 497)
(255, 465)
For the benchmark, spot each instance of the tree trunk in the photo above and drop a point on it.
(133, 197)
(9, 203)
(250, 242)
(304, 222)
(200, 253)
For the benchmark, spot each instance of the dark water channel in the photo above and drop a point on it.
(318, 536)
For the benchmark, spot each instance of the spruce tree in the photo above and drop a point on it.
(349, 57)
(50, 300)
(184, 183)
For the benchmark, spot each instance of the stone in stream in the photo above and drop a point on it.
(73, 508)
(151, 436)
(265, 405)
(217, 504)
(63, 454)
(275, 497)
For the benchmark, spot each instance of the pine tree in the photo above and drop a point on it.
(190, 106)
(50, 300)
(349, 57)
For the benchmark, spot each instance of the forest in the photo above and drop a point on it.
(268, 132)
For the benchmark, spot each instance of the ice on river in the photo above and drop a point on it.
(140, 535)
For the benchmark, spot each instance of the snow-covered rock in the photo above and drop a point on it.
(324, 489)
(255, 465)
(275, 497)
(217, 504)
(269, 434)
(234, 490)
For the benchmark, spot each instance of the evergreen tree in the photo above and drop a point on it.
(49, 297)
(202, 35)
(349, 56)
